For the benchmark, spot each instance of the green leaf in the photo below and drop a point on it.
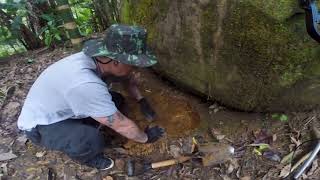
(42, 30)
(30, 61)
(16, 23)
(48, 40)
(48, 17)
(255, 150)
(50, 23)
(275, 116)
(260, 148)
(58, 37)
(283, 118)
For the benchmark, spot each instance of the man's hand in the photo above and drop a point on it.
(146, 109)
(154, 133)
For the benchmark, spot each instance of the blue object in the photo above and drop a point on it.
(312, 18)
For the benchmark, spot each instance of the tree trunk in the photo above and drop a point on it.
(36, 9)
(69, 24)
(107, 12)
(32, 41)
(25, 35)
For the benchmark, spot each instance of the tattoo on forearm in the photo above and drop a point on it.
(121, 116)
(110, 120)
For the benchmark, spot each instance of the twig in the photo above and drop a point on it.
(305, 157)
(306, 124)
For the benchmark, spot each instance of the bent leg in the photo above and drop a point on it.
(79, 141)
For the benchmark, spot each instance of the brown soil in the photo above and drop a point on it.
(174, 113)
(182, 115)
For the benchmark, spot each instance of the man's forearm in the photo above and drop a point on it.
(133, 133)
(134, 92)
(124, 126)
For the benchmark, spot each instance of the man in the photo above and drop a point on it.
(70, 95)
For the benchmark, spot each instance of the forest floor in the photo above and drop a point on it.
(262, 141)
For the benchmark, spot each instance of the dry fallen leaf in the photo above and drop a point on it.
(274, 137)
(22, 139)
(108, 178)
(40, 154)
(233, 165)
(3, 170)
(7, 156)
(285, 171)
(245, 178)
(314, 167)
(217, 134)
(295, 141)
(175, 151)
(225, 177)
(286, 159)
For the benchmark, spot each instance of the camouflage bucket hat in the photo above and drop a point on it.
(126, 44)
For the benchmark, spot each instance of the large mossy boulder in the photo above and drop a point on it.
(253, 55)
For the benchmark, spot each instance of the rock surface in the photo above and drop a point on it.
(247, 54)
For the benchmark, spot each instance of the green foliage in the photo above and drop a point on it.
(280, 117)
(83, 15)
(84, 21)
(9, 43)
(52, 31)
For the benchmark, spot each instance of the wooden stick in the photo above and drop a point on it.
(170, 162)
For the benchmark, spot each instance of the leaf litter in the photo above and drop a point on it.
(20, 75)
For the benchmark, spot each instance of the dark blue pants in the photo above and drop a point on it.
(80, 139)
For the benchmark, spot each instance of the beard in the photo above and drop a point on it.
(110, 78)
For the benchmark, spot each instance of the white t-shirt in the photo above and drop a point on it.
(69, 88)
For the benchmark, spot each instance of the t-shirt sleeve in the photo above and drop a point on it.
(91, 99)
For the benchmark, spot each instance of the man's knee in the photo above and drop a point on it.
(86, 146)
(79, 141)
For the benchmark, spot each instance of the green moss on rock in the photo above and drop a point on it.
(254, 55)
